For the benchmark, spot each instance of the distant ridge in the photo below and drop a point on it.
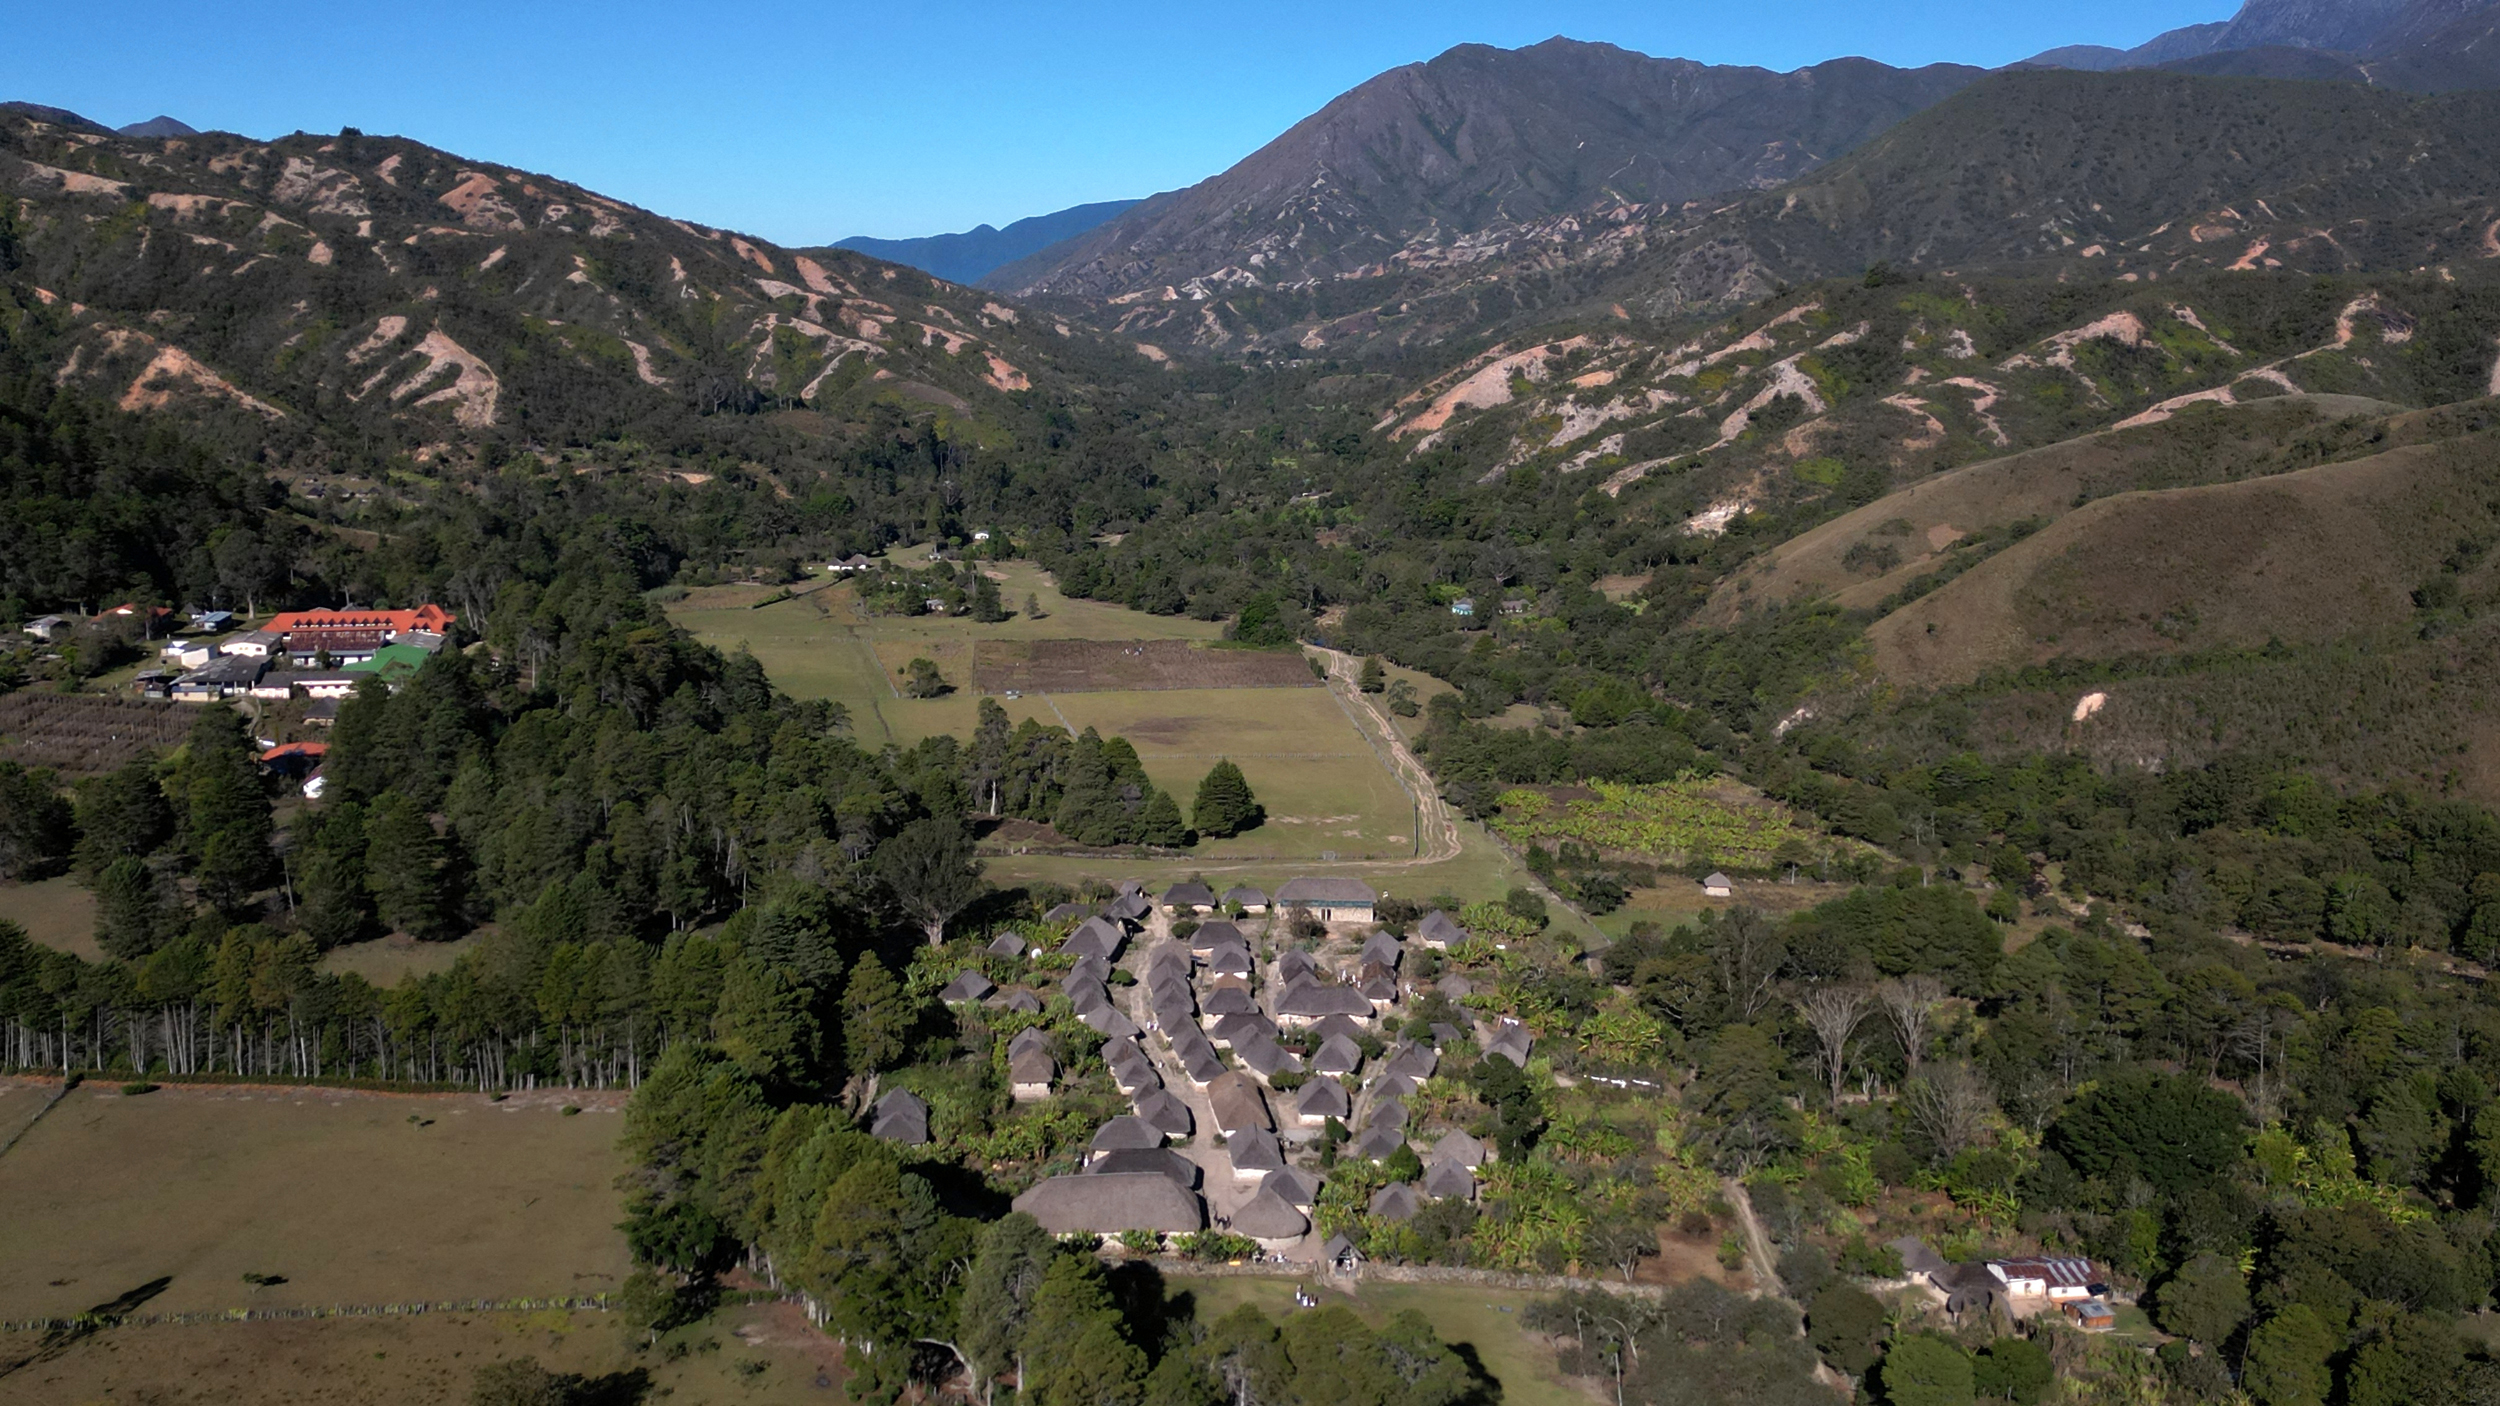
(963, 258)
(159, 126)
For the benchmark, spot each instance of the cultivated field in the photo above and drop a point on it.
(349, 1198)
(82, 734)
(1326, 790)
(1086, 666)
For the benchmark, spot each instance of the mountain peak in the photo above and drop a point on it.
(159, 126)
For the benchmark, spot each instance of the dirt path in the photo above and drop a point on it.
(1759, 1261)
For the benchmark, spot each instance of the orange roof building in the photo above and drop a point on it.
(387, 623)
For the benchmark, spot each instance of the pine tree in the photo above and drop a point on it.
(1225, 805)
(1032, 606)
(1089, 811)
(404, 867)
(123, 812)
(130, 914)
(1159, 822)
(327, 859)
(1375, 679)
(765, 1024)
(877, 1018)
(226, 823)
(986, 605)
(985, 769)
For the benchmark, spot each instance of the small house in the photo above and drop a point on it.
(1320, 1100)
(1396, 1201)
(1299, 1189)
(851, 565)
(1167, 1113)
(1514, 606)
(1331, 1027)
(1718, 885)
(1125, 1132)
(1029, 1038)
(1245, 898)
(1512, 1043)
(1255, 1153)
(1237, 1104)
(1066, 913)
(901, 1117)
(1341, 1254)
(47, 628)
(1382, 948)
(1188, 897)
(1029, 1075)
(1093, 969)
(968, 985)
(1378, 1144)
(1230, 1000)
(1464, 607)
(1108, 1020)
(1337, 1055)
(1095, 937)
(1006, 944)
(1232, 959)
(1021, 1001)
(1330, 900)
(1262, 1056)
(1439, 931)
(1221, 932)
(1200, 1064)
(1294, 965)
(1458, 1149)
(1448, 1181)
(2092, 1315)
(1270, 1221)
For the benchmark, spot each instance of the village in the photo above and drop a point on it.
(1255, 1060)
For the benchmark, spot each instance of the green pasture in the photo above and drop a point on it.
(1484, 1320)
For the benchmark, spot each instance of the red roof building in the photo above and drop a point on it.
(389, 624)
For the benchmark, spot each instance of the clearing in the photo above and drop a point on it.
(349, 1198)
(1486, 1320)
(1325, 785)
(58, 912)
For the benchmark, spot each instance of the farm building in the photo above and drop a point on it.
(1330, 900)
(47, 627)
(1109, 1203)
(2053, 1277)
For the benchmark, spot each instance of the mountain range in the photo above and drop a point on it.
(965, 257)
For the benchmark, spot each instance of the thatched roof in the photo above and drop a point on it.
(1458, 1149)
(1440, 930)
(1230, 959)
(1266, 1058)
(1189, 893)
(1267, 1217)
(1126, 1132)
(1217, 932)
(1089, 969)
(1396, 1201)
(1029, 1038)
(1323, 1098)
(1298, 1188)
(1006, 944)
(1246, 896)
(1382, 948)
(1312, 1000)
(1160, 1161)
(1237, 1103)
(1095, 937)
(1085, 993)
(967, 986)
(1110, 1203)
(1032, 1067)
(1021, 1001)
(1165, 1110)
(901, 1117)
(1108, 1020)
(1255, 1151)
(1337, 1055)
(1330, 1027)
(1295, 964)
(1448, 1181)
(1414, 1061)
(1230, 1000)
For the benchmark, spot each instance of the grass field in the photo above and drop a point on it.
(385, 960)
(1486, 1320)
(59, 913)
(1325, 790)
(351, 1198)
(744, 1356)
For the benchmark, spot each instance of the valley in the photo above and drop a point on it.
(1600, 727)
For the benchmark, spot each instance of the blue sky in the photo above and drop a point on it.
(807, 122)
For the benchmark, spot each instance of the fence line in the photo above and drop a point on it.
(94, 1321)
